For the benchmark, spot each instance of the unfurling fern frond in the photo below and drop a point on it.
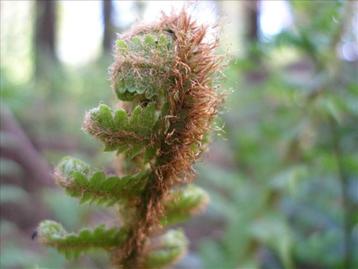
(165, 73)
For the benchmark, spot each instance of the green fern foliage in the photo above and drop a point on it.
(122, 133)
(72, 245)
(153, 58)
(95, 187)
(183, 203)
(171, 247)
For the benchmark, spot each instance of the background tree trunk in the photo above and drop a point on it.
(252, 21)
(107, 16)
(45, 35)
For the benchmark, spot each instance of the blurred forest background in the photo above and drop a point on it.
(283, 174)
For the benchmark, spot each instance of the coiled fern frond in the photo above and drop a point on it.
(165, 74)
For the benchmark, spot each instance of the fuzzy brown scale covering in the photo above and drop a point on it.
(193, 103)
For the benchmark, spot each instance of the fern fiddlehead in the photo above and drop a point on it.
(165, 71)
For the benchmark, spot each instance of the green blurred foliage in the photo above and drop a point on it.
(292, 132)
